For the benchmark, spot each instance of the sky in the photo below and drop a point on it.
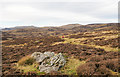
(43, 13)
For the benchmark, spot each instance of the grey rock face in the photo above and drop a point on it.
(36, 54)
(49, 61)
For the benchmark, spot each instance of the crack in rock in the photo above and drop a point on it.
(49, 61)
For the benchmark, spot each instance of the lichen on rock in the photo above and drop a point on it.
(49, 61)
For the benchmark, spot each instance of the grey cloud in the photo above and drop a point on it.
(57, 13)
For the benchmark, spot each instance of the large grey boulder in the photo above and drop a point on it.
(49, 61)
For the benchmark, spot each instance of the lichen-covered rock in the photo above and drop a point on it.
(49, 61)
(36, 54)
(49, 54)
(57, 60)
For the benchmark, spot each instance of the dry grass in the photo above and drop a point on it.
(56, 43)
(77, 42)
(27, 64)
(27, 60)
(107, 37)
(20, 45)
(114, 73)
(106, 48)
(31, 68)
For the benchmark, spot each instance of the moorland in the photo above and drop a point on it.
(89, 49)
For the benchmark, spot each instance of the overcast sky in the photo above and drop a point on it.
(57, 12)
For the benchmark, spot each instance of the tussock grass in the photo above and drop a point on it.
(31, 68)
(28, 64)
(27, 60)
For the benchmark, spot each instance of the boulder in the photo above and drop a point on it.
(49, 61)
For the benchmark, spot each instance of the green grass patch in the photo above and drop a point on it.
(28, 64)
(71, 66)
(30, 68)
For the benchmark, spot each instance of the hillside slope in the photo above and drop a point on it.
(94, 47)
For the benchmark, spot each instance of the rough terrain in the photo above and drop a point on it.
(93, 46)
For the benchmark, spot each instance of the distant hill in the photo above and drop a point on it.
(26, 31)
(18, 27)
(70, 26)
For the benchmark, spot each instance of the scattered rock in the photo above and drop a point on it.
(49, 61)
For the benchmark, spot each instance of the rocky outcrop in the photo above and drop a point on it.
(49, 61)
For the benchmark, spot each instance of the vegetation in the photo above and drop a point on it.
(101, 67)
(27, 60)
(28, 65)
(71, 66)
(93, 47)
